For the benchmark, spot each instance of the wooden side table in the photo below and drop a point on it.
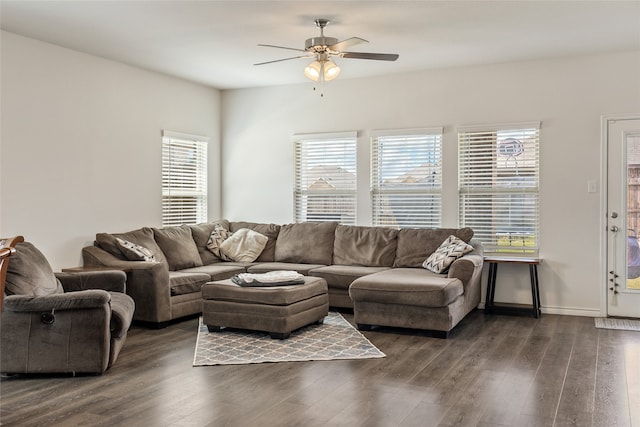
(491, 307)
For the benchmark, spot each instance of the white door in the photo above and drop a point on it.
(623, 217)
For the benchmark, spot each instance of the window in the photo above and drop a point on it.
(184, 179)
(498, 185)
(406, 178)
(325, 177)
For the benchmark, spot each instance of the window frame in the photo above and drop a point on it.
(428, 141)
(507, 192)
(307, 149)
(184, 185)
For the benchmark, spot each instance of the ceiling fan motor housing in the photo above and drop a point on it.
(319, 44)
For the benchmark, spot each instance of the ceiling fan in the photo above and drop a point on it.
(323, 48)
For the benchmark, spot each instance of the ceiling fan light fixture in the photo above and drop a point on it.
(331, 70)
(326, 70)
(313, 71)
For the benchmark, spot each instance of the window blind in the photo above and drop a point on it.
(184, 179)
(499, 186)
(325, 177)
(406, 178)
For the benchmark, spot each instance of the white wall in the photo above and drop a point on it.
(81, 144)
(568, 96)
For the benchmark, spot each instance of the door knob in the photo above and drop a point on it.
(614, 228)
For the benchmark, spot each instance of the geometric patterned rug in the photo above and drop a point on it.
(622, 324)
(334, 339)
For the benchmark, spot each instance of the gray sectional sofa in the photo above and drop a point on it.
(383, 261)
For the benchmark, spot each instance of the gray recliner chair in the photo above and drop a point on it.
(62, 322)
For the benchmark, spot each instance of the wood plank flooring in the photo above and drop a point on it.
(492, 371)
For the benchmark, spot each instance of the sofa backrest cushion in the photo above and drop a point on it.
(367, 246)
(416, 244)
(269, 230)
(306, 243)
(178, 247)
(201, 234)
(29, 273)
(142, 236)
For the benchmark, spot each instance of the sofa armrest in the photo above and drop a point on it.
(469, 270)
(110, 280)
(464, 267)
(147, 283)
(94, 298)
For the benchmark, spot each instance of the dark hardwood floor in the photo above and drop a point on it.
(492, 371)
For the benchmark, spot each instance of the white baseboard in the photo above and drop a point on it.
(565, 311)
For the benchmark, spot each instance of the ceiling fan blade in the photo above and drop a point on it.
(347, 43)
(280, 60)
(282, 47)
(376, 56)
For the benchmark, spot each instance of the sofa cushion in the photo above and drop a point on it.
(218, 270)
(265, 267)
(243, 245)
(182, 283)
(367, 246)
(142, 236)
(407, 286)
(306, 242)
(135, 252)
(449, 251)
(341, 276)
(29, 273)
(201, 233)
(269, 230)
(178, 246)
(416, 244)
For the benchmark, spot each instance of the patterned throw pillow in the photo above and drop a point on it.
(450, 250)
(135, 252)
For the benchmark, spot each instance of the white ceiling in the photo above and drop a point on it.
(215, 42)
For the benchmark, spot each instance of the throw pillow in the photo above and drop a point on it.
(269, 230)
(244, 245)
(135, 252)
(449, 251)
(218, 235)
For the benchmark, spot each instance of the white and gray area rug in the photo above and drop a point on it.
(622, 324)
(334, 339)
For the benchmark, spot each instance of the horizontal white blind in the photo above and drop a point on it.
(184, 180)
(406, 179)
(498, 187)
(325, 178)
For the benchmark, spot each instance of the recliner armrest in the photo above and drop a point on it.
(94, 298)
(109, 280)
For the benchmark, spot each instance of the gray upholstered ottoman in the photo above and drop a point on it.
(277, 310)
